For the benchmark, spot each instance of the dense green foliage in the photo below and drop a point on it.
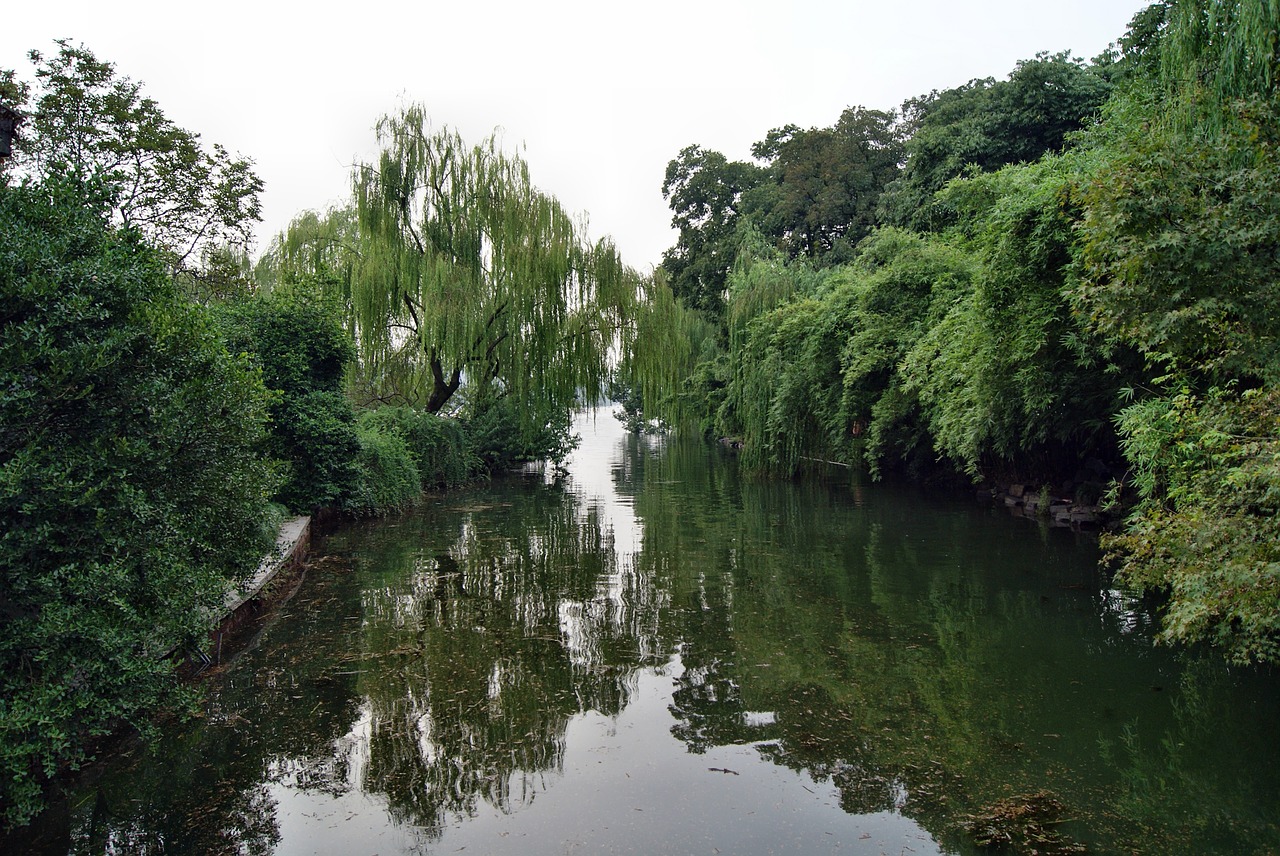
(131, 494)
(1011, 378)
(302, 349)
(1208, 530)
(987, 124)
(1179, 233)
(441, 448)
(820, 190)
(132, 487)
(1083, 288)
(386, 476)
(1178, 259)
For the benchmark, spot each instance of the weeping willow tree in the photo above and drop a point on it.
(1230, 47)
(662, 350)
(317, 248)
(470, 285)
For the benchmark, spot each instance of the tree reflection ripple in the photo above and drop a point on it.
(655, 653)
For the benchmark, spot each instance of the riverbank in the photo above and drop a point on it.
(1056, 510)
(249, 602)
(292, 544)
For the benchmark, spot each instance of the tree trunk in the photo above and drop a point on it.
(441, 390)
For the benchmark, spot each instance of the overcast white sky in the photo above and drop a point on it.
(601, 95)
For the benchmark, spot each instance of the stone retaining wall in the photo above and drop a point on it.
(290, 550)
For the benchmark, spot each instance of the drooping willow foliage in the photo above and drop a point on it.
(469, 278)
(770, 401)
(1231, 47)
(662, 349)
(320, 249)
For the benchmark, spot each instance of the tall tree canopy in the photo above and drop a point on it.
(812, 193)
(88, 123)
(986, 124)
(470, 278)
(819, 197)
(704, 190)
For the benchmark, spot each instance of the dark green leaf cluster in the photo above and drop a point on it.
(501, 439)
(820, 192)
(704, 190)
(300, 345)
(131, 492)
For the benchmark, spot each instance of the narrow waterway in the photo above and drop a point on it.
(651, 653)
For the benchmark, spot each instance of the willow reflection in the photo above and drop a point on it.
(486, 627)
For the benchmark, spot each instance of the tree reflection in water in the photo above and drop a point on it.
(923, 658)
(927, 658)
(515, 616)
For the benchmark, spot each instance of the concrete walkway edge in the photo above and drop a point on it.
(291, 545)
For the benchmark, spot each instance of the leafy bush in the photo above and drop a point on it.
(501, 440)
(1178, 240)
(131, 491)
(315, 434)
(1208, 528)
(302, 349)
(440, 446)
(387, 479)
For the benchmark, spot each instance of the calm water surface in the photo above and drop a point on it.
(652, 653)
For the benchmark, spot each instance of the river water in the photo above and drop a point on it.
(653, 653)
